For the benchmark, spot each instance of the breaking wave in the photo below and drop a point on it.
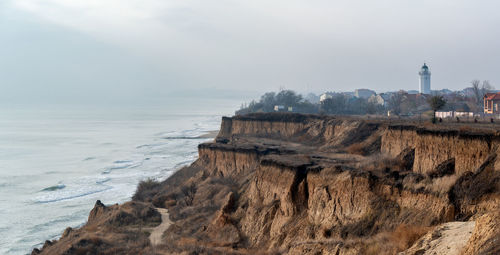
(71, 194)
(55, 187)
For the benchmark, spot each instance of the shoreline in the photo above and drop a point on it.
(100, 173)
(209, 134)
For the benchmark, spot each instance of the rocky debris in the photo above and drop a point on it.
(445, 168)
(406, 158)
(67, 232)
(98, 210)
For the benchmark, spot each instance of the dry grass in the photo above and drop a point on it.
(439, 186)
(405, 236)
(442, 185)
(91, 228)
(356, 148)
(465, 129)
(379, 162)
(402, 238)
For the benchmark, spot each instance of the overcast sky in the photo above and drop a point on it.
(67, 50)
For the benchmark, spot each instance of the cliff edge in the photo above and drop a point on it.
(309, 184)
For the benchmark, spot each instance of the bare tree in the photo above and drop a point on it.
(436, 103)
(189, 191)
(396, 101)
(486, 87)
(477, 90)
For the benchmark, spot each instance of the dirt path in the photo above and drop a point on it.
(155, 237)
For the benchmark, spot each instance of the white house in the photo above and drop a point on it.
(282, 108)
(279, 108)
(377, 99)
(452, 114)
(325, 96)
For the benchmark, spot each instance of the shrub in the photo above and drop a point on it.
(189, 191)
(443, 185)
(405, 236)
(400, 239)
(146, 190)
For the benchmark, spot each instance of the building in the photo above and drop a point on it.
(453, 114)
(279, 108)
(282, 108)
(379, 99)
(491, 102)
(364, 93)
(425, 80)
(325, 96)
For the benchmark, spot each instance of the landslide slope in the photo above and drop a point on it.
(308, 184)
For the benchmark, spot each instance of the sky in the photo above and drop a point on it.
(126, 51)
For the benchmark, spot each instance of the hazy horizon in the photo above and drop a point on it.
(151, 51)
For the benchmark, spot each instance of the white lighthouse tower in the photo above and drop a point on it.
(425, 80)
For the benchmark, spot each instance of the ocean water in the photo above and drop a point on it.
(55, 164)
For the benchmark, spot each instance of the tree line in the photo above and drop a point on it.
(338, 104)
(398, 103)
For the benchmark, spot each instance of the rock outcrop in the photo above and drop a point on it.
(307, 184)
(485, 238)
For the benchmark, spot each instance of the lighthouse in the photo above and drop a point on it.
(425, 80)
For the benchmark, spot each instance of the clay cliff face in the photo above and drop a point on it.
(227, 160)
(301, 184)
(299, 128)
(434, 147)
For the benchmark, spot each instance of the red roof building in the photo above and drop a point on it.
(491, 102)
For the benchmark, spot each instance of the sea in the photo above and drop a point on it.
(55, 163)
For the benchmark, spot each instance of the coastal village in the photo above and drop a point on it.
(477, 102)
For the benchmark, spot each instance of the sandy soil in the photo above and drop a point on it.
(447, 239)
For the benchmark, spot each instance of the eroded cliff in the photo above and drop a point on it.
(433, 147)
(306, 184)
